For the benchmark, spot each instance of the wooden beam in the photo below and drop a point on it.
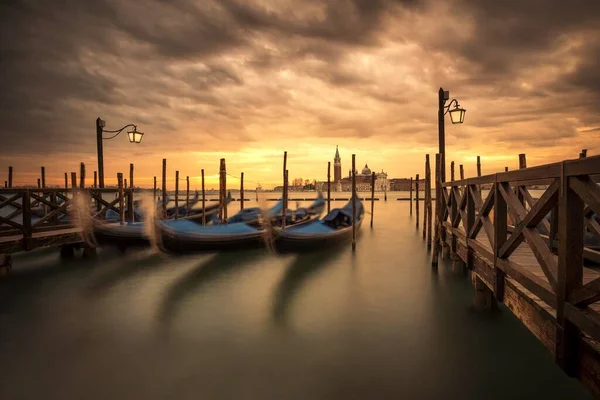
(283, 194)
(353, 202)
(203, 200)
(164, 188)
(329, 186)
(241, 191)
(417, 198)
(372, 196)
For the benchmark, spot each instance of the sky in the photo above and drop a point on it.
(246, 81)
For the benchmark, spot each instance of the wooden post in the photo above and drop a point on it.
(438, 207)
(452, 170)
(121, 197)
(164, 188)
(10, 177)
(410, 194)
(95, 179)
(154, 192)
(81, 175)
(583, 153)
(256, 193)
(43, 182)
(500, 233)
(372, 196)
(39, 183)
(353, 202)
(66, 180)
(426, 197)
(176, 194)
(284, 194)
(224, 191)
(429, 204)
(479, 171)
(242, 191)
(187, 195)
(462, 172)
(203, 200)
(73, 180)
(130, 195)
(384, 192)
(505, 169)
(125, 183)
(285, 197)
(570, 275)
(522, 165)
(328, 186)
(417, 198)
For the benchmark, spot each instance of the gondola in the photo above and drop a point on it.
(127, 234)
(246, 229)
(334, 229)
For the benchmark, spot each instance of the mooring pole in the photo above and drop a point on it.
(410, 194)
(39, 183)
(187, 195)
(429, 205)
(372, 196)
(203, 200)
(417, 198)
(154, 204)
(95, 179)
(121, 197)
(74, 180)
(81, 175)
(451, 171)
(438, 208)
(426, 198)
(242, 192)
(462, 172)
(66, 180)
(164, 188)
(10, 177)
(43, 183)
(328, 186)
(353, 202)
(283, 193)
(176, 194)
(224, 191)
(99, 130)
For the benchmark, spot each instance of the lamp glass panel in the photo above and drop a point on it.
(131, 136)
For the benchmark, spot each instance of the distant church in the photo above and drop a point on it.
(363, 180)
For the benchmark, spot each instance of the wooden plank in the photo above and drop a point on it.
(9, 201)
(543, 171)
(587, 320)
(583, 166)
(586, 295)
(482, 251)
(587, 190)
(537, 213)
(531, 282)
(531, 202)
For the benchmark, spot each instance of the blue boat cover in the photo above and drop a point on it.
(315, 227)
(346, 211)
(185, 226)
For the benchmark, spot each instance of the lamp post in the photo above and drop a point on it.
(457, 116)
(134, 137)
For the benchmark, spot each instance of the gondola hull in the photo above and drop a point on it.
(121, 235)
(288, 242)
(180, 237)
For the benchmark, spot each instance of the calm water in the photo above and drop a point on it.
(334, 325)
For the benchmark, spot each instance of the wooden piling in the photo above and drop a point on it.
(353, 202)
(43, 181)
(328, 186)
(426, 198)
(131, 185)
(417, 198)
(583, 153)
(462, 172)
(82, 176)
(451, 171)
(429, 206)
(203, 200)
(66, 180)
(285, 197)
(224, 191)
(176, 194)
(125, 183)
(120, 184)
(95, 179)
(164, 188)
(10, 177)
(242, 191)
(505, 169)
(372, 196)
(284, 194)
(39, 183)
(522, 165)
(74, 180)
(410, 194)
(187, 195)
(154, 192)
(478, 166)
(438, 199)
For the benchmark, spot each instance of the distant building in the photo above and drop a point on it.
(403, 184)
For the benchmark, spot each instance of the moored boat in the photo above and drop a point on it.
(334, 229)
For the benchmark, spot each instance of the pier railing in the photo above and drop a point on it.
(27, 212)
(509, 231)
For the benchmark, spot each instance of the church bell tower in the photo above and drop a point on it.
(337, 166)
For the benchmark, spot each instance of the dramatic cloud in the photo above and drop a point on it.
(248, 80)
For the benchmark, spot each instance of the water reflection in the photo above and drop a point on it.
(208, 270)
(304, 267)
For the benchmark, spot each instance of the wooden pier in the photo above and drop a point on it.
(40, 217)
(540, 270)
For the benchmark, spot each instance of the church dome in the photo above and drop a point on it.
(366, 170)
